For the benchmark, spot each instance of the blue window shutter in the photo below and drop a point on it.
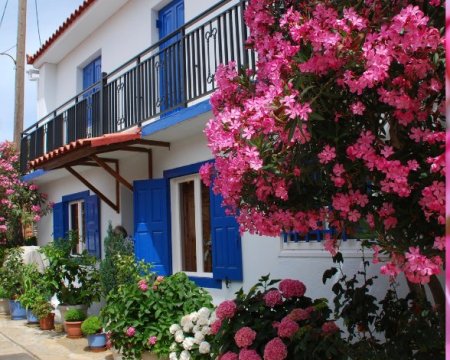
(92, 218)
(151, 224)
(226, 242)
(88, 75)
(60, 217)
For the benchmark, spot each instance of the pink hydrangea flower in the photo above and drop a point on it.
(152, 340)
(131, 331)
(226, 310)
(244, 337)
(142, 285)
(300, 314)
(247, 354)
(287, 328)
(330, 327)
(292, 288)
(229, 356)
(275, 349)
(215, 326)
(273, 298)
(160, 278)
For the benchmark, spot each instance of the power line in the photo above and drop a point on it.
(3, 14)
(12, 47)
(37, 21)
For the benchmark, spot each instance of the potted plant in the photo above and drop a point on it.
(73, 320)
(4, 302)
(35, 290)
(73, 278)
(139, 313)
(12, 282)
(92, 327)
(43, 311)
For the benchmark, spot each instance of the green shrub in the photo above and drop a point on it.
(92, 325)
(114, 245)
(146, 308)
(74, 315)
(41, 309)
(12, 272)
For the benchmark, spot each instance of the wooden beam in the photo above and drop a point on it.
(153, 143)
(69, 157)
(112, 172)
(93, 188)
(134, 149)
(118, 186)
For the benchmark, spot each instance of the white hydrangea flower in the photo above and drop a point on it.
(187, 327)
(196, 328)
(202, 321)
(174, 328)
(173, 347)
(206, 330)
(204, 347)
(173, 356)
(179, 336)
(188, 343)
(199, 337)
(204, 313)
(185, 319)
(194, 316)
(185, 355)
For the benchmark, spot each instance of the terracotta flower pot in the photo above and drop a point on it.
(4, 306)
(73, 329)
(47, 323)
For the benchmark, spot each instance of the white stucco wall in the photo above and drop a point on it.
(124, 35)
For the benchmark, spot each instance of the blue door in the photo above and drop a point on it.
(151, 225)
(92, 74)
(171, 81)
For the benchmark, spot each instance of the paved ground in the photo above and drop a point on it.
(19, 341)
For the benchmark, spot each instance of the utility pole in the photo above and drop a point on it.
(20, 72)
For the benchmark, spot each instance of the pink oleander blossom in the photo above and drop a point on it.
(275, 349)
(244, 337)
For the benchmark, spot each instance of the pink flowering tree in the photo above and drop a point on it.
(21, 203)
(342, 122)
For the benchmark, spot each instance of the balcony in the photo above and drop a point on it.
(171, 74)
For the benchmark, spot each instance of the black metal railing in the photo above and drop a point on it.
(174, 72)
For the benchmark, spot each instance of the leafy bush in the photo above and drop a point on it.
(139, 314)
(36, 287)
(11, 273)
(114, 244)
(403, 328)
(41, 309)
(74, 278)
(92, 325)
(276, 323)
(74, 315)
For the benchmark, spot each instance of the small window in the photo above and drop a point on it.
(191, 226)
(77, 224)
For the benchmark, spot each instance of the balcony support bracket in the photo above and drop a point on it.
(90, 186)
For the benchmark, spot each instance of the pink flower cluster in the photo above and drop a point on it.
(292, 288)
(244, 337)
(131, 331)
(226, 310)
(273, 298)
(142, 285)
(269, 135)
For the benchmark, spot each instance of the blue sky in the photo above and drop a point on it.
(52, 14)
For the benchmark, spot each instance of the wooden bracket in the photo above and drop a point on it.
(115, 206)
(112, 172)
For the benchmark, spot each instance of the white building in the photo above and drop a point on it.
(143, 174)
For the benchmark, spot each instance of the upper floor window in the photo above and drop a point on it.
(92, 73)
